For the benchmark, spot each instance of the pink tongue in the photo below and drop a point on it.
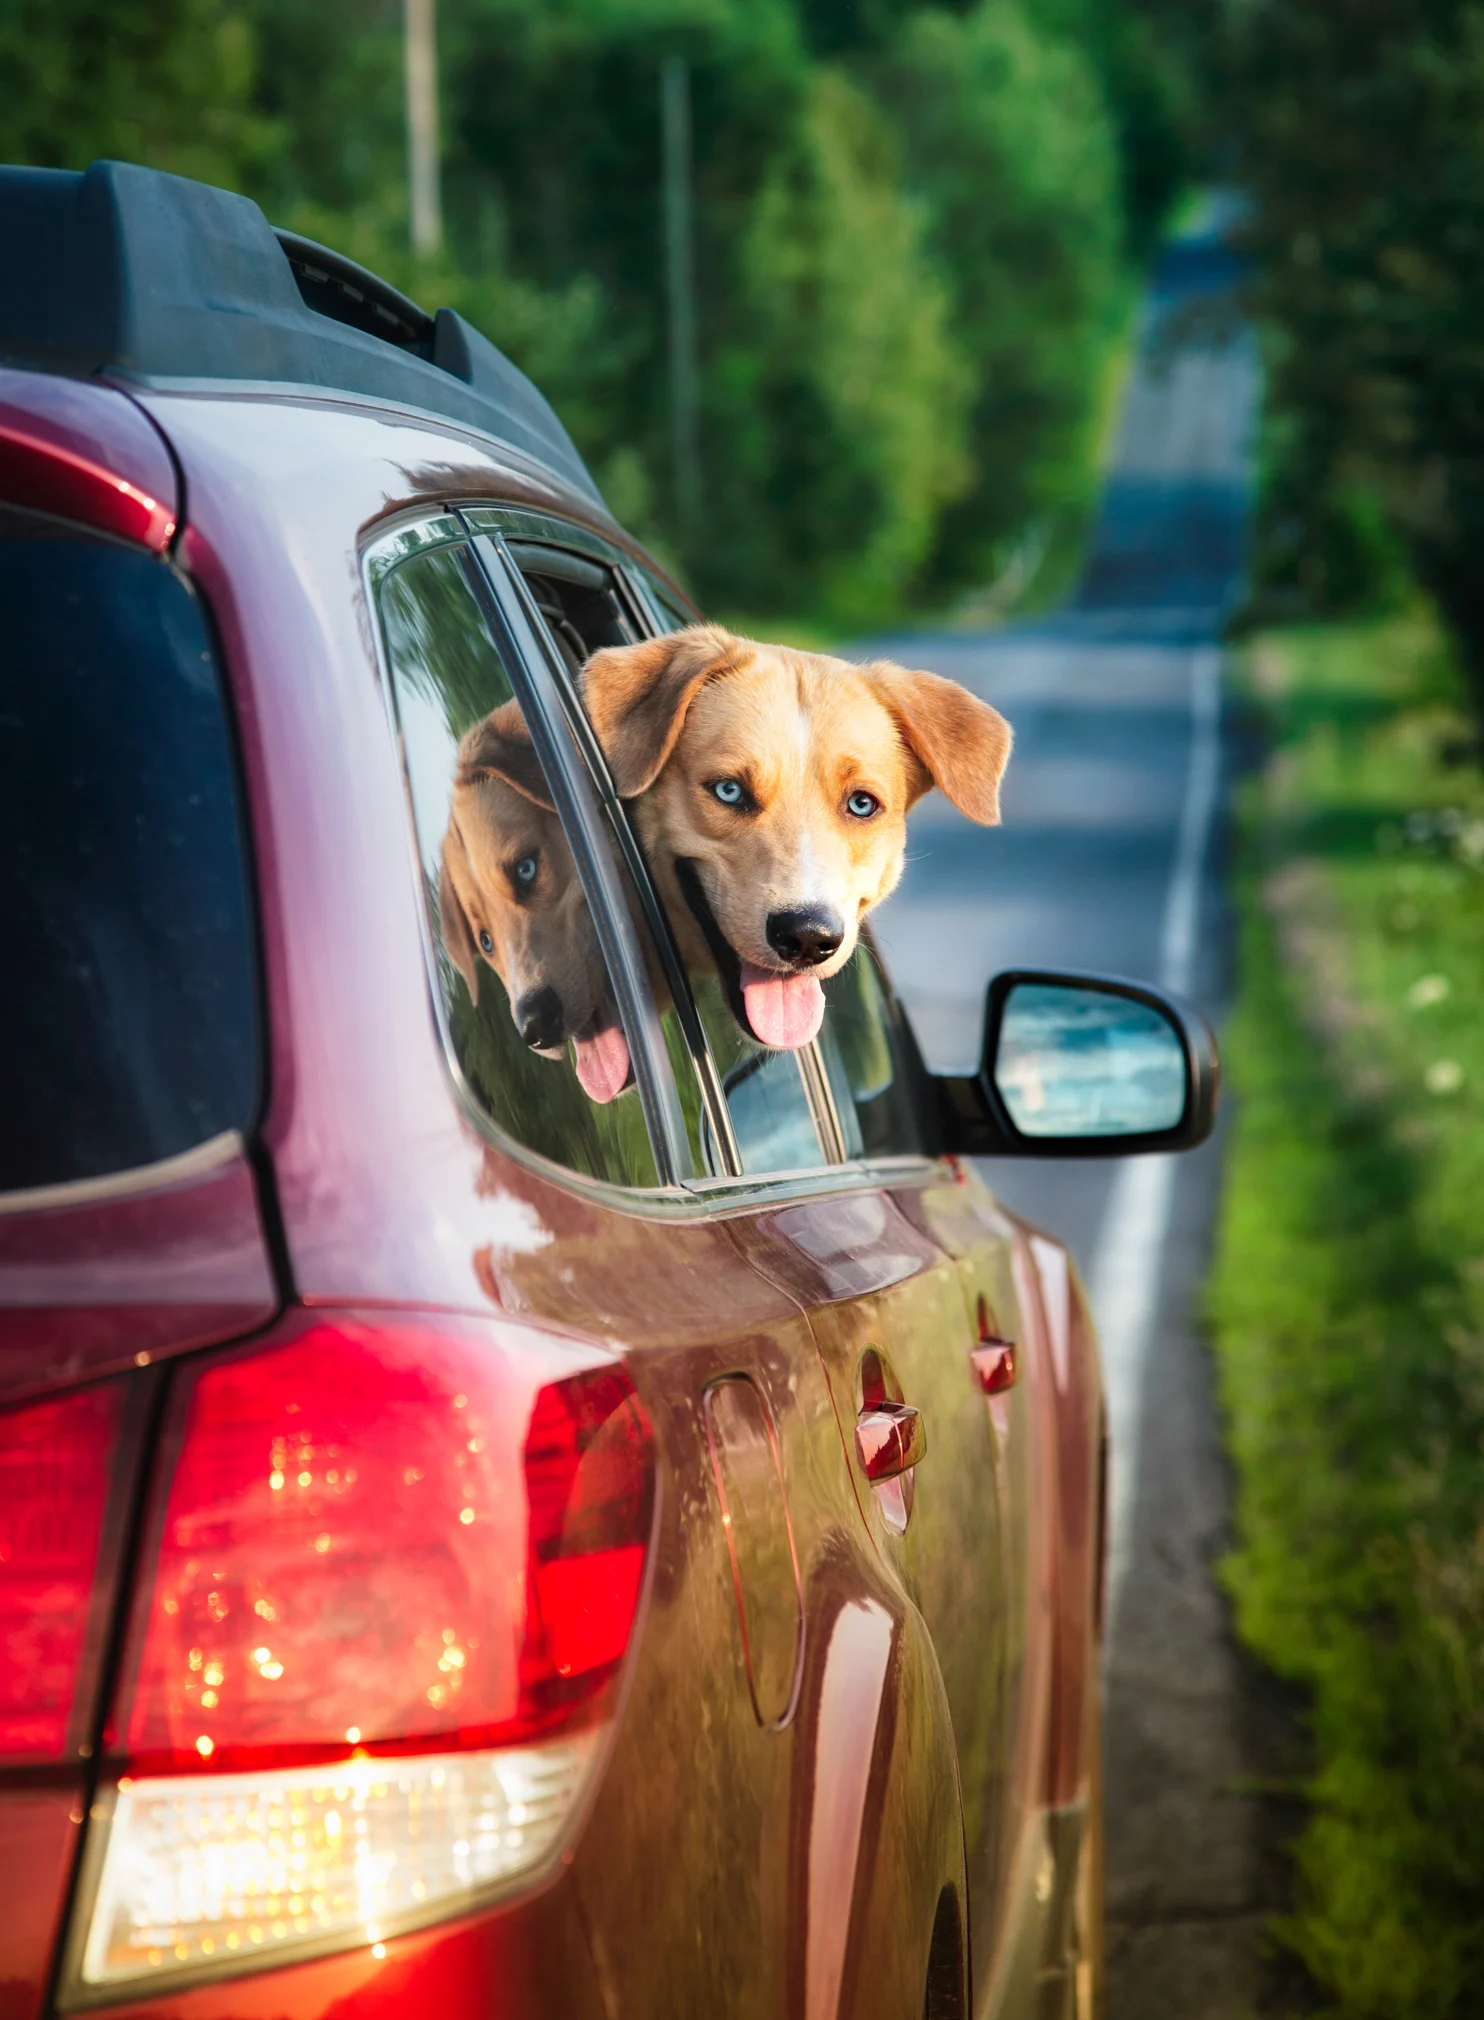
(783, 1010)
(603, 1063)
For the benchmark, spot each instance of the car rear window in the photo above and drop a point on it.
(128, 1015)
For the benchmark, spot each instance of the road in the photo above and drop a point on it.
(1110, 857)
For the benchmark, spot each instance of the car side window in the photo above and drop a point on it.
(527, 1005)
(774, 1105)
(870, 1063)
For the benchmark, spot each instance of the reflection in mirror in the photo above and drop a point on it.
(1083, 1062)
(526, 993)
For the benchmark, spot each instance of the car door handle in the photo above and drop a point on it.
(890, 1438)
(993, 1362)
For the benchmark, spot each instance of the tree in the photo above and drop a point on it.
(1007, 141)
(1361, 133)
(167, 82)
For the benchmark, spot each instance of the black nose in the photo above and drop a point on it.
(538, 1019)
(807, 937)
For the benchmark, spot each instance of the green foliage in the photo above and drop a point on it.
(840, 397)
(1359, 129)
(909, 219)
(163, 81)
(1010, 147)
(1348, 1296)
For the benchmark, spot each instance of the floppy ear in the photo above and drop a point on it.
(637, 696)
(458, 933)
(961, 744)
(500, 747)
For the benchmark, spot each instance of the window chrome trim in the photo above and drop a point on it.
(723, 1197)
(417, 536)
(516, 522)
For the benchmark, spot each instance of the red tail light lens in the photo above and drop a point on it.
(55, 1461)
(387, 1537)
(395, 1571)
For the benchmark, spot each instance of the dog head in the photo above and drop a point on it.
(509, 895)
(772, 789)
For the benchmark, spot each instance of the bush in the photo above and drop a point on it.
(1010, 147)
(836, 410)
(1348, 1297)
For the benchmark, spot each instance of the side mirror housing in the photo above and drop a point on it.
(1082, 1066)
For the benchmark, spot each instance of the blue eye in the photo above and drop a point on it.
(728, 791)
(863, 805)
(525, 870)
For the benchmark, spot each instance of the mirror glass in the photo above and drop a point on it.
(1081, 1062)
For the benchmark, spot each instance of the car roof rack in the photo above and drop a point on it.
(128, 273)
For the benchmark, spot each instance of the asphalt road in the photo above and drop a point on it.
(1110, 857)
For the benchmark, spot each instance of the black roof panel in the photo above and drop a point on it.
(128, 272)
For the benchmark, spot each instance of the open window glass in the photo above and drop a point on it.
(871, 1062)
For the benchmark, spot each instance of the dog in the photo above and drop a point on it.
(509, 896)
(770, 790)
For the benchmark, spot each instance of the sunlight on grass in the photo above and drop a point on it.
(1348, 1296)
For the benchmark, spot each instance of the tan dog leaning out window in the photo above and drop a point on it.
(509, 895)
(771, 788)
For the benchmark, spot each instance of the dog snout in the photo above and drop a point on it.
(539, 1020)
(806, 937)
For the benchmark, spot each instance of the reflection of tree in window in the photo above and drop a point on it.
(437, 641)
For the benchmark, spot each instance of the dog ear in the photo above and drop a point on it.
(458, 932)
(961, 744)
(500, 747)
(637, 697)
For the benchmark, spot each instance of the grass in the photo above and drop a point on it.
(1348, 1297)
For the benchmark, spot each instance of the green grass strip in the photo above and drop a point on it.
(1347, 1300)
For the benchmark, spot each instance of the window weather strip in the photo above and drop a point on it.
(822, 1104)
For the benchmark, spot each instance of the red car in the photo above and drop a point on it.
(468, 1545)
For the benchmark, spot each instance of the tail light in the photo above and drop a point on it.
(394, 1577)
(55, 1462)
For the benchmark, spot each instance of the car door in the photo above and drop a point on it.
(913, 1295)
(748, 1771)
(893, 1310)
(772, 1133)
(892, 1297)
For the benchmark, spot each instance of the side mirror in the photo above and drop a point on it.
(1083, 1066)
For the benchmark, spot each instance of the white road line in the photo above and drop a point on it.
(1125, 1273)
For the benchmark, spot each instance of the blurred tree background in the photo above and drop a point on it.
(1356, 129)
(917, 234)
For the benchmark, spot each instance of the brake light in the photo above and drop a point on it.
(395, 1574)
(50, 475)
(54, 1472)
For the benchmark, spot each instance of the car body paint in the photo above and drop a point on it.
(791, 1863)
